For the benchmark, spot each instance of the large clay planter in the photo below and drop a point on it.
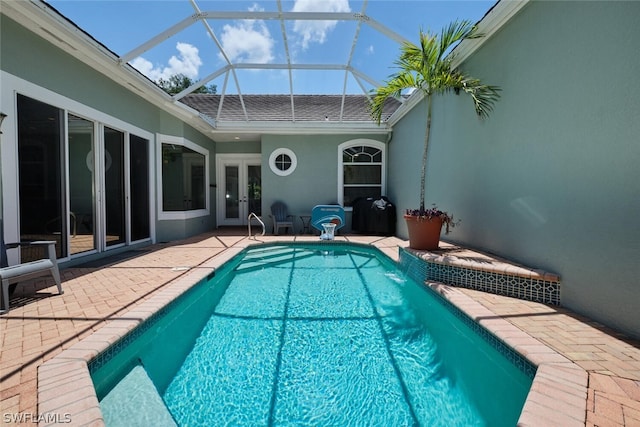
(424, 234)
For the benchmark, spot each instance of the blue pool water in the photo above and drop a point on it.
(309, 335)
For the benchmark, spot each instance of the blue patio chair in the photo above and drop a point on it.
(281, 218)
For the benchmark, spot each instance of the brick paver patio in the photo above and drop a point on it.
(42, 325)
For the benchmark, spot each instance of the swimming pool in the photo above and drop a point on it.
(315, 334)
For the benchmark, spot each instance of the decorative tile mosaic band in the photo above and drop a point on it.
(526, 288)
(418, 269)
(114, 349)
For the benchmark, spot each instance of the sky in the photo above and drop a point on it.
(124, 25)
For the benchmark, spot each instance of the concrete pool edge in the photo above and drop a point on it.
(558, 394)
(65, 388)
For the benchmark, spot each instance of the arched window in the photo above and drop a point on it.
(361, 170)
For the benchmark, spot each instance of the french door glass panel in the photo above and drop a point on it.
(242, 189)
(254, 189)
(232, 192)
(82, 236)
(114, 187)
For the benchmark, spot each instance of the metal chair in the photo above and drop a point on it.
(280, 217)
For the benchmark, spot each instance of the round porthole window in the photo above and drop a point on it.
(283, 161)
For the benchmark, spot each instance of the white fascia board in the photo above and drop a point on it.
(48, 24)
(407, 105)
(302, 128)
(195, 118)
(502, 13)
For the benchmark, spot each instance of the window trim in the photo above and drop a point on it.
(278, 152)
(180, 215)
(361, 142)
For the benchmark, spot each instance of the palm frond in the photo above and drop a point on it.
(454, 33)
(429, 53)
(393, 88)
(427, 67)
(484, 96)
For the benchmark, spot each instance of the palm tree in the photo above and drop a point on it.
(428, 68)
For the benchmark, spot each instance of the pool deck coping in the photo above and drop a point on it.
(69, 369)
(554, 371)
(560, 394)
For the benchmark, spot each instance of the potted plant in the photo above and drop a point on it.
(425, 226)
(428, 68)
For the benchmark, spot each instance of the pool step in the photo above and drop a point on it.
(258, 258)
(268, 252)
(122, 405)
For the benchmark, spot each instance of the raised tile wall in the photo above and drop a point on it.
(501, 283)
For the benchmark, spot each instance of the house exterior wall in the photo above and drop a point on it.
(551, 179)
(45, 69)
(26, 55)
(236, 147)
(315, 179)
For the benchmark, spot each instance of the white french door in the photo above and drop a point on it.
(239, 188)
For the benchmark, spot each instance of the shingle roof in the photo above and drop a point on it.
(277, 108)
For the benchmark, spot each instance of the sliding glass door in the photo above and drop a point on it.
(41, 166)
(82, 202)
(81, 183)
(139, 188)
(113, 161)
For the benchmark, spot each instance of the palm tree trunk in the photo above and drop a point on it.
(423, 172)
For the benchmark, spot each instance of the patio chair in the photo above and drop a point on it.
(11, 275)
(281, 218)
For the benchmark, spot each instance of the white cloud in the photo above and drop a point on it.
(247, 41)
(187, 62)
(316, 31)
(370, 50)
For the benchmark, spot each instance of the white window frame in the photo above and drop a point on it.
(12, 86)
(181, 215)
(272, 161)
(360, 142)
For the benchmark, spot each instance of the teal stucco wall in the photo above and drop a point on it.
(315, 180)
(551, 179)
(23, 54)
